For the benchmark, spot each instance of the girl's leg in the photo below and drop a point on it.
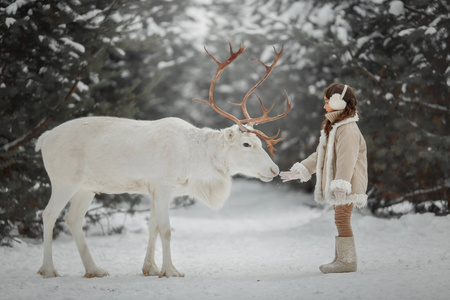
(342, 218)
(345, 253)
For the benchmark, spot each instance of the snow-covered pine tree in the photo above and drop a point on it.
(62, 60)
(401, 53)
(44, 58)
(396, 55)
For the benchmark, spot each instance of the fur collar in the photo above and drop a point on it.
(323, 137)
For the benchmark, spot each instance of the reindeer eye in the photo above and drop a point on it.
(246, 145)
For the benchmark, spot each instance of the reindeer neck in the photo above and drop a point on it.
(210, 151)
(210, 182)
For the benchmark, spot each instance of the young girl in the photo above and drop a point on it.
(340, 164)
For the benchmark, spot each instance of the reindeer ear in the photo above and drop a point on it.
(230, 134)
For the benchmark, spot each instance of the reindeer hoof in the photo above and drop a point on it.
(97, 272)
(150, 270)
(48, 272)
(170, 272)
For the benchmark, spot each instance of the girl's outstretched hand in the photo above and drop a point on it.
(297, 171)
(289, 175)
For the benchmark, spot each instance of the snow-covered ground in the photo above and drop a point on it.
(266, 243)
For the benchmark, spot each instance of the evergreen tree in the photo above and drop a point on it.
(402, 52)
(396, 56)
(62, 60)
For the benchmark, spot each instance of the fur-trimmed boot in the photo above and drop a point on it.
(345, 257)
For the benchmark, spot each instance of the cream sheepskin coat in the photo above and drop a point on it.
(340, 162)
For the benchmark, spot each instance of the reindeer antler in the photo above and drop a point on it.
(222, 66)
(264, 118)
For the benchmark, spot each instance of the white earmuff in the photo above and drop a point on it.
(336, 100)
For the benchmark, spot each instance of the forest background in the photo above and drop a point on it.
(145, 60)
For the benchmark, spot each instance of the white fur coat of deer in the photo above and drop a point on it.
(163, 158)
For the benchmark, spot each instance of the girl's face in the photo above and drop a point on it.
(327, 105)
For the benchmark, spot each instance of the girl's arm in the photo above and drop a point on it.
(310, 163)
(301, 170)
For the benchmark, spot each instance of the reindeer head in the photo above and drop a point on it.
(246, 155)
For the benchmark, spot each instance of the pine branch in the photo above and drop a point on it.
(38, 128)
(364, 71)
(12, 146)
(431, 106)
(418, 193)
(383, 89)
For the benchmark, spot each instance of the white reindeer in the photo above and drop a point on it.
(164, 158)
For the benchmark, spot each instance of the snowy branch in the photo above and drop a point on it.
(363, 70)
(435, 107)
(383, 88)
(422, 192)
(38, 128)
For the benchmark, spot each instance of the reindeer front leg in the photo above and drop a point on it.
(150, 268)
(161, 201)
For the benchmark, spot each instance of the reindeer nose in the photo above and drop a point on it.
(275, 170)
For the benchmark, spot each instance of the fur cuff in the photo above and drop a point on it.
(341, 184)
(302, 171)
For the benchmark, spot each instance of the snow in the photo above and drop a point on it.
(341, 34)
(360, 11)
(91, 14)
(43, 70)
(9, 22)
(406, 32)
(430, 30)
(13, 7)
(389, 96)
(74, 55)
(82, 87)
(196, 26)
(53, 45)
(120, 51)
(396, 8)
(116, 17)
(310, 30)
(267, 242)
(296, 9)
(77, 46)
(323, 16)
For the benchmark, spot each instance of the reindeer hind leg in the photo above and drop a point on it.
(78, 208)
(60, 196)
